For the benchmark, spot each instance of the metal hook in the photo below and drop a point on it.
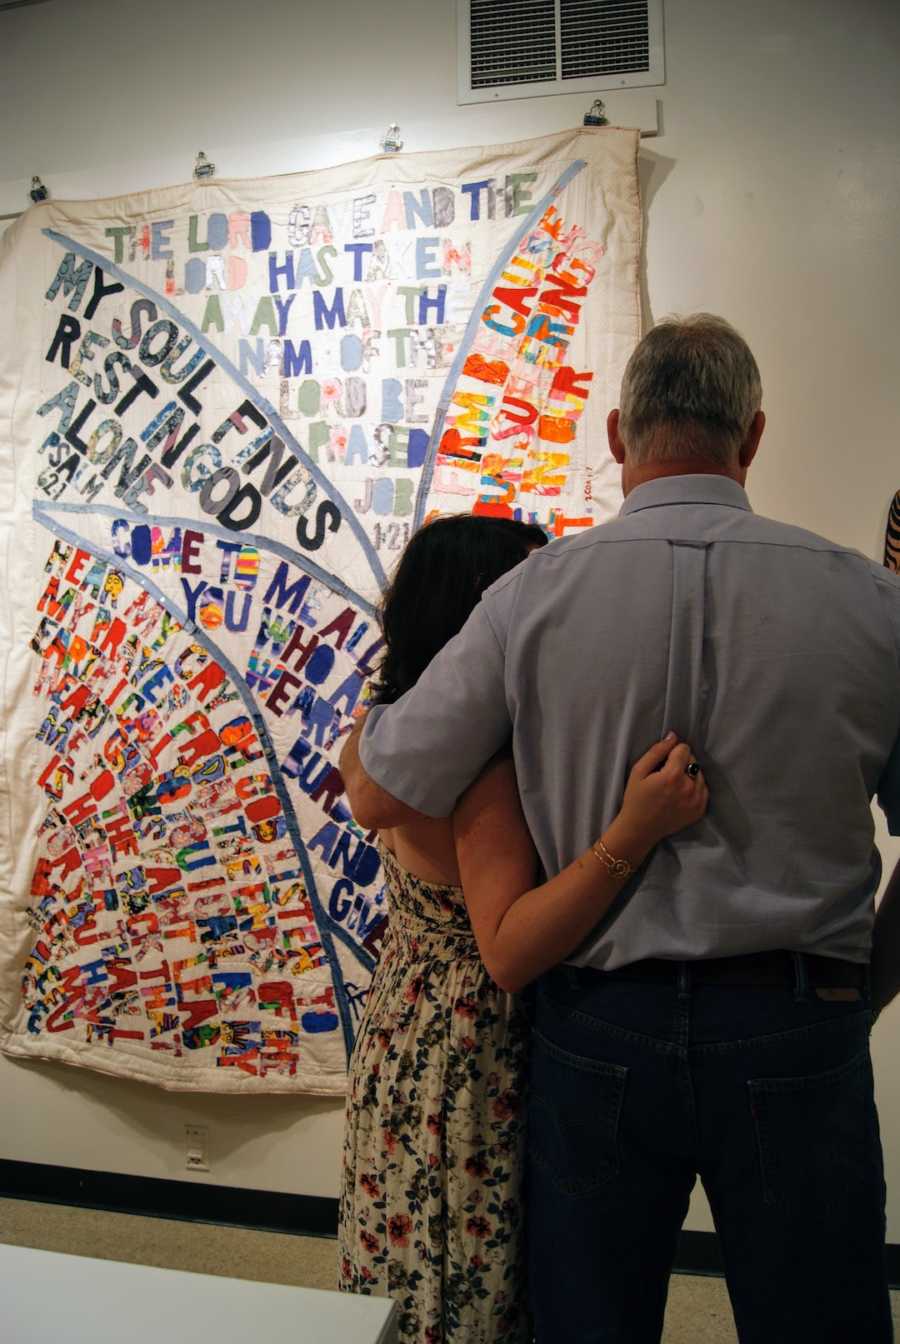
(595, 117)
(203, 168)
(38, 191)
(392, 144)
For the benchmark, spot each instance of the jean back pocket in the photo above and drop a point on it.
(816, 1132)
(573, 1122)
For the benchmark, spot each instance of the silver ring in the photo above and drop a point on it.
(692, 769)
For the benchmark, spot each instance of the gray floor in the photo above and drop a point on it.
(698, 1311)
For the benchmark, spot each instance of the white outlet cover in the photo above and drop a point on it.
(196, 1138)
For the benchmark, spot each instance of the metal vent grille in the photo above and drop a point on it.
(603, 37)
(529, 48)
(512, 42)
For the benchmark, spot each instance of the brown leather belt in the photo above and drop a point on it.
(757, 968)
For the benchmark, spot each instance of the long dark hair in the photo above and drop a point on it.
(437, 585)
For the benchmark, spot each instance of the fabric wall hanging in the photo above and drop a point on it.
(225, 406)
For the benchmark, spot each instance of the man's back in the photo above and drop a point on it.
(774, 652)
(698, 1033)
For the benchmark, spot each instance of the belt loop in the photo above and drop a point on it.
(684, 980)
(801, 977)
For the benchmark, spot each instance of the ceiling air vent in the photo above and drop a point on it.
(526, 48)
(511, 43)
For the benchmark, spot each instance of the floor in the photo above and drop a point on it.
(698, 1311)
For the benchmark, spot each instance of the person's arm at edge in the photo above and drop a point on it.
(885, 963)
(885, 955)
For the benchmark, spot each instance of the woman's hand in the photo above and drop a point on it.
(661, 797)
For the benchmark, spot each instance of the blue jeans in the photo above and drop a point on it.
(764, 1092)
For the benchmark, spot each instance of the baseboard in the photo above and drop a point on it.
(264, 1210)
(188, 1201)
(699, 1253)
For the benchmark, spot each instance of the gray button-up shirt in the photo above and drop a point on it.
(775, 653)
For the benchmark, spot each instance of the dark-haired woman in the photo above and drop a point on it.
(431, 1204)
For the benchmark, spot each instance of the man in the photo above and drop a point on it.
(717, 1024)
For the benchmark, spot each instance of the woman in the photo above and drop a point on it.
(431, 1205)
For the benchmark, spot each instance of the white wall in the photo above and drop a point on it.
(772, 197)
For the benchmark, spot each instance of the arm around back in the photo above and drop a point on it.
(418, 755)
(372, 806)
(522, 929)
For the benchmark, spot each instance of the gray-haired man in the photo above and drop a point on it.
(717, 1025)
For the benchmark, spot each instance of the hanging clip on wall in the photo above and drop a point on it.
(203, 168)
(595, 117)
(38, 191)
(392, 144)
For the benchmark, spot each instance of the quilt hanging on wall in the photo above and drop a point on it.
(224, 407)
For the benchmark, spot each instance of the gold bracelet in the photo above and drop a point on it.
(615, 867)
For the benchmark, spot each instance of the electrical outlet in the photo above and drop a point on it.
(196, 1143)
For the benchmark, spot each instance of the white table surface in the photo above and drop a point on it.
(47, 1298)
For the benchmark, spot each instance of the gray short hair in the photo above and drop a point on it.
(691, 389)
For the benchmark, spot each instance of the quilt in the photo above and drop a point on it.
(224, 409)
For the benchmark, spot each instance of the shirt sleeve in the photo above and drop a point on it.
(429, 746)
(888, 792)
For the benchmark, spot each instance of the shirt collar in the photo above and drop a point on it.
(693, 489)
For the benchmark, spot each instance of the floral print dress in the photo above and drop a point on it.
(431, 1205)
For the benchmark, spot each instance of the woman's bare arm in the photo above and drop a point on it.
(522, 929)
